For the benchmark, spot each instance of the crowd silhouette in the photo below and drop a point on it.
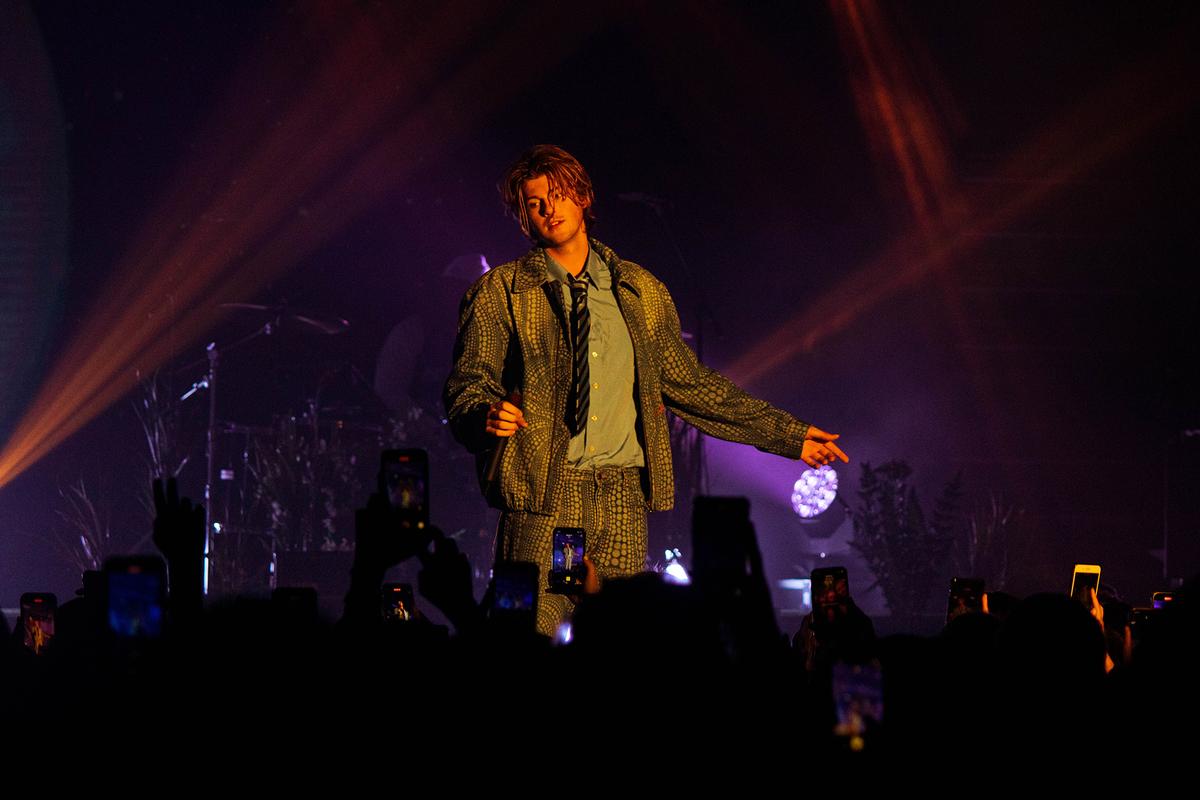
(648, 662)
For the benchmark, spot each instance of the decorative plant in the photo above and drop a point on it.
(907, 552)
(87, 540)
(160, 420)
(983, 547)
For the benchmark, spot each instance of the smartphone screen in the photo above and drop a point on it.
(404, 477)
(858, 696)
(966, 595)
(38, 610)
(1086, 578)
(136, 590)
(567, 572)
(397, 601)
(515, 593)
(830, 592)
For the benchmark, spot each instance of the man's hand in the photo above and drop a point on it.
(505, 419)
(819, 448)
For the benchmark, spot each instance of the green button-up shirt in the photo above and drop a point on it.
(610, 436)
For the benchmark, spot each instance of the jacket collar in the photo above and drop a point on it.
(532, 272)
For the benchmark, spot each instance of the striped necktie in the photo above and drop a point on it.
(580, 329)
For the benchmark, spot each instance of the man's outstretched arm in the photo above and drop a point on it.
(708, 400)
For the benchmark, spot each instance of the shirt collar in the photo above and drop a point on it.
(597, 271)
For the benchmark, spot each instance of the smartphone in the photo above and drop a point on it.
(721, 538)
(38, 610)
(515, 593)
(830, 592)
(567, 572)
(1162, 599)
(858, 698)
(136, 592)
(1085, 577)
(396, 600)
(404, 480)
(966, 595)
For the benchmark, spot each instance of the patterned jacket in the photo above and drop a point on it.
(513, 334)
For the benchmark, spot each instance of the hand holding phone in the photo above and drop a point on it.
(394, 525)
(404, 481)
(1084, 580)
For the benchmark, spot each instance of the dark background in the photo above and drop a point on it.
(1050, 363)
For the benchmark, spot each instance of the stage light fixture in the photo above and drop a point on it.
(675, 572)
(814, 491)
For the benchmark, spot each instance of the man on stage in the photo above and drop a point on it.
(567, 360)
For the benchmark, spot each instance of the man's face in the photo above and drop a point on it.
(554, 218)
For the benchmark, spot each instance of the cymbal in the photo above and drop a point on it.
(331, 327)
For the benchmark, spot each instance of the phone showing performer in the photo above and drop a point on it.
(1085, 578)
(567, 571)
(136, 587)
(397, 601)
(966, 595)
(38, 610)
(404, 480)
(830, 593)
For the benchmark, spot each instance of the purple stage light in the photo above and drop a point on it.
(814, 491)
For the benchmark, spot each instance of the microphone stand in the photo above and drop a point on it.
(209, 381)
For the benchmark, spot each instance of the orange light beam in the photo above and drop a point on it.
(214, 261)
(1098, 128)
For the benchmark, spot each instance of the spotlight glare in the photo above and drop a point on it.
(675, 572)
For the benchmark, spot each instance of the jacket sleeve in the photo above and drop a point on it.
(710, 401)
(480, 348)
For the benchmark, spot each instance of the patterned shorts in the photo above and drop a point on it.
(608, 503)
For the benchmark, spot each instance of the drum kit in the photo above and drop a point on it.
(282, 491)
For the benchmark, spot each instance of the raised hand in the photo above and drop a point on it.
(381, 541)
